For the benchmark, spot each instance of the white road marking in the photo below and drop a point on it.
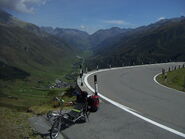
(155, 80)
(127, 109)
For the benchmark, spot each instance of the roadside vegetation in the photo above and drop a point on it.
(21, 98)
(173, 79)
(15, 111)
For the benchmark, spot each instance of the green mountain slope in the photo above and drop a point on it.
(9, 72)
(22, 48)
(82, 40)
(75, 38)
(26, 47)
(102, 35)
(160, 42)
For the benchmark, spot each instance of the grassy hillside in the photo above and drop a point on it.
(101, 35)
(22, 48)
(175, 79)
(9, 72)
(30, 62)
(14, 125)
(23, 96)
(159, 42)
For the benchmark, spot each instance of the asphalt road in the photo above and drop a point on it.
(135, 88)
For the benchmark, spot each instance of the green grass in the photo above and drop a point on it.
(21, 94)
(20, 99)
(175, 79)
(14, 125)
(17, 106)
(33, 90)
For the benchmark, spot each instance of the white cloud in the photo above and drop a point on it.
(82, 27)
(25, 6)
(116, 22)
(161, 18)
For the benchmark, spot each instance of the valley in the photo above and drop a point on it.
(33, 58)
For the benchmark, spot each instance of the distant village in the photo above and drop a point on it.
(59, 84)
(62, 84)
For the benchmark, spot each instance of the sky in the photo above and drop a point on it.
(92, 15)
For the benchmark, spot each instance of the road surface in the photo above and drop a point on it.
(135, 88)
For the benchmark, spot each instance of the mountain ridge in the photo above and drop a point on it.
(27, 48)
(162, 41)
(82, 39)
(111, 46)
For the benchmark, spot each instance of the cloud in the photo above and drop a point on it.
(161, 18)
(24, 6)
(116, 22)
(82, 27)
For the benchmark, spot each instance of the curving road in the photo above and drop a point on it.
(135, 88)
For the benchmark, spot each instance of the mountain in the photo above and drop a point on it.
(75, 38)
(6, 18)
(159, 42)
(104, 34)
(26, 47)
(82, 40)
(31, 48)
(9, 72)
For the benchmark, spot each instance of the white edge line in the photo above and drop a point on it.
(155, 80)
(127, 109)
